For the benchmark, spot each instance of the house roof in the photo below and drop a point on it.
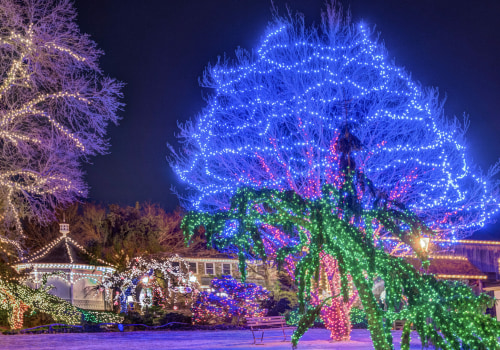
(449, 267)
(201, 255)
(484, 255)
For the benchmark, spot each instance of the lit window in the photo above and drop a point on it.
(226, 269)
(209, 269)
(193, 267)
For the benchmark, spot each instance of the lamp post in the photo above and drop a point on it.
(424, 243)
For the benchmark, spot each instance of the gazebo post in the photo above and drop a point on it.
(71, 288)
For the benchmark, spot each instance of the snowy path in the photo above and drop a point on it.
(314, 339)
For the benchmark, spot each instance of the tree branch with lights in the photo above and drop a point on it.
(168, 279)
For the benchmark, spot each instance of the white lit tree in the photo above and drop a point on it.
(55, 105)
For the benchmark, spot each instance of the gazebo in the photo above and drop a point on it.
(69, 270)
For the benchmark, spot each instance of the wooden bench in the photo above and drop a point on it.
(269, 323)
(398, 325)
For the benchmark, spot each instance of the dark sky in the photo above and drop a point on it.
(159, 48)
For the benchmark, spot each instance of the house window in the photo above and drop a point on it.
(193, 268)
(209, 269)
(226, 269)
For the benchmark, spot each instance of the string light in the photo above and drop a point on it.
(67, 241)
(462, 277)
(66, 50)
(456, 241)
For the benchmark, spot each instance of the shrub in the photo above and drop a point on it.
(229, 302)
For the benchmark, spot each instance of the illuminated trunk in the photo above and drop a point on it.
(336, 316)
(336, 319)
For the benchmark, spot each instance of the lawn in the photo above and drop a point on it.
(187, 340)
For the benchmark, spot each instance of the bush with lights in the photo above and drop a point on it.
(228, 302)
(165, 282)
(358, 317)
(17, 299)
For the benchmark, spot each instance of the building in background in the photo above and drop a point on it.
(206, 268)
(475, 263)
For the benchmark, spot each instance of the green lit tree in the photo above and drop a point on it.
(446, 314)
(338, 224)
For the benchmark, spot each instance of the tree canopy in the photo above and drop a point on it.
(276, 113)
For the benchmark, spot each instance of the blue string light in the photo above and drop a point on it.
(275, 115)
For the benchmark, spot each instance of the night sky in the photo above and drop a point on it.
(159, 48)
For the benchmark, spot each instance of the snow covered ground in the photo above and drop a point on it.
(314, 339)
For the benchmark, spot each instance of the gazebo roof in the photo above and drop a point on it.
(63, 250)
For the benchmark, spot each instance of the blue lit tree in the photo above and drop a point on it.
(276, 113)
